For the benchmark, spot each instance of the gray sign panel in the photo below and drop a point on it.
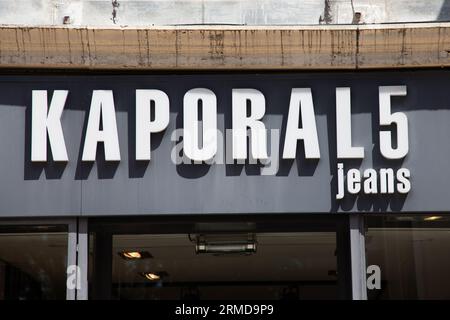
(131, 187)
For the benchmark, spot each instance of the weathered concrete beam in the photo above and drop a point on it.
(227, 47)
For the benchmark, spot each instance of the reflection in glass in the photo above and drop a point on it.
(226, 266)
(413, 254)
(32, 264)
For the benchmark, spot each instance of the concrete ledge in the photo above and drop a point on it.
(227, 47)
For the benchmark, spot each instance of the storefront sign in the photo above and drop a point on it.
(200, 138)
(224, 143)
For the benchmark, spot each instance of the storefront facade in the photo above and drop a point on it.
(186, 167)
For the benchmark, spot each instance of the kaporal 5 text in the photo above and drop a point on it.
(200, 137)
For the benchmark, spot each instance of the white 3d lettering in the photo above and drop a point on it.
(248, 111)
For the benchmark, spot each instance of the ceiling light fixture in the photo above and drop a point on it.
(237, 244)
(135, 255)
(432, 218)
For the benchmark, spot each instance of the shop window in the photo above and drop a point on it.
(33, 262)
(411, 254)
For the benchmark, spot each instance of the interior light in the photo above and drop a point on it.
(135, 255)
(154, 276)
(226, 248)
(432, 218)
(132, 255)
(237, 244)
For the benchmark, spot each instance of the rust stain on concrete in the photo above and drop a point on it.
(225, 47)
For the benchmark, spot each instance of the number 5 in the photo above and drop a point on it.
(387, 118)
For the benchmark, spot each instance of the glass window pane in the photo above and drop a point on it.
(413, 254)
(32, 263)
(175, 266)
